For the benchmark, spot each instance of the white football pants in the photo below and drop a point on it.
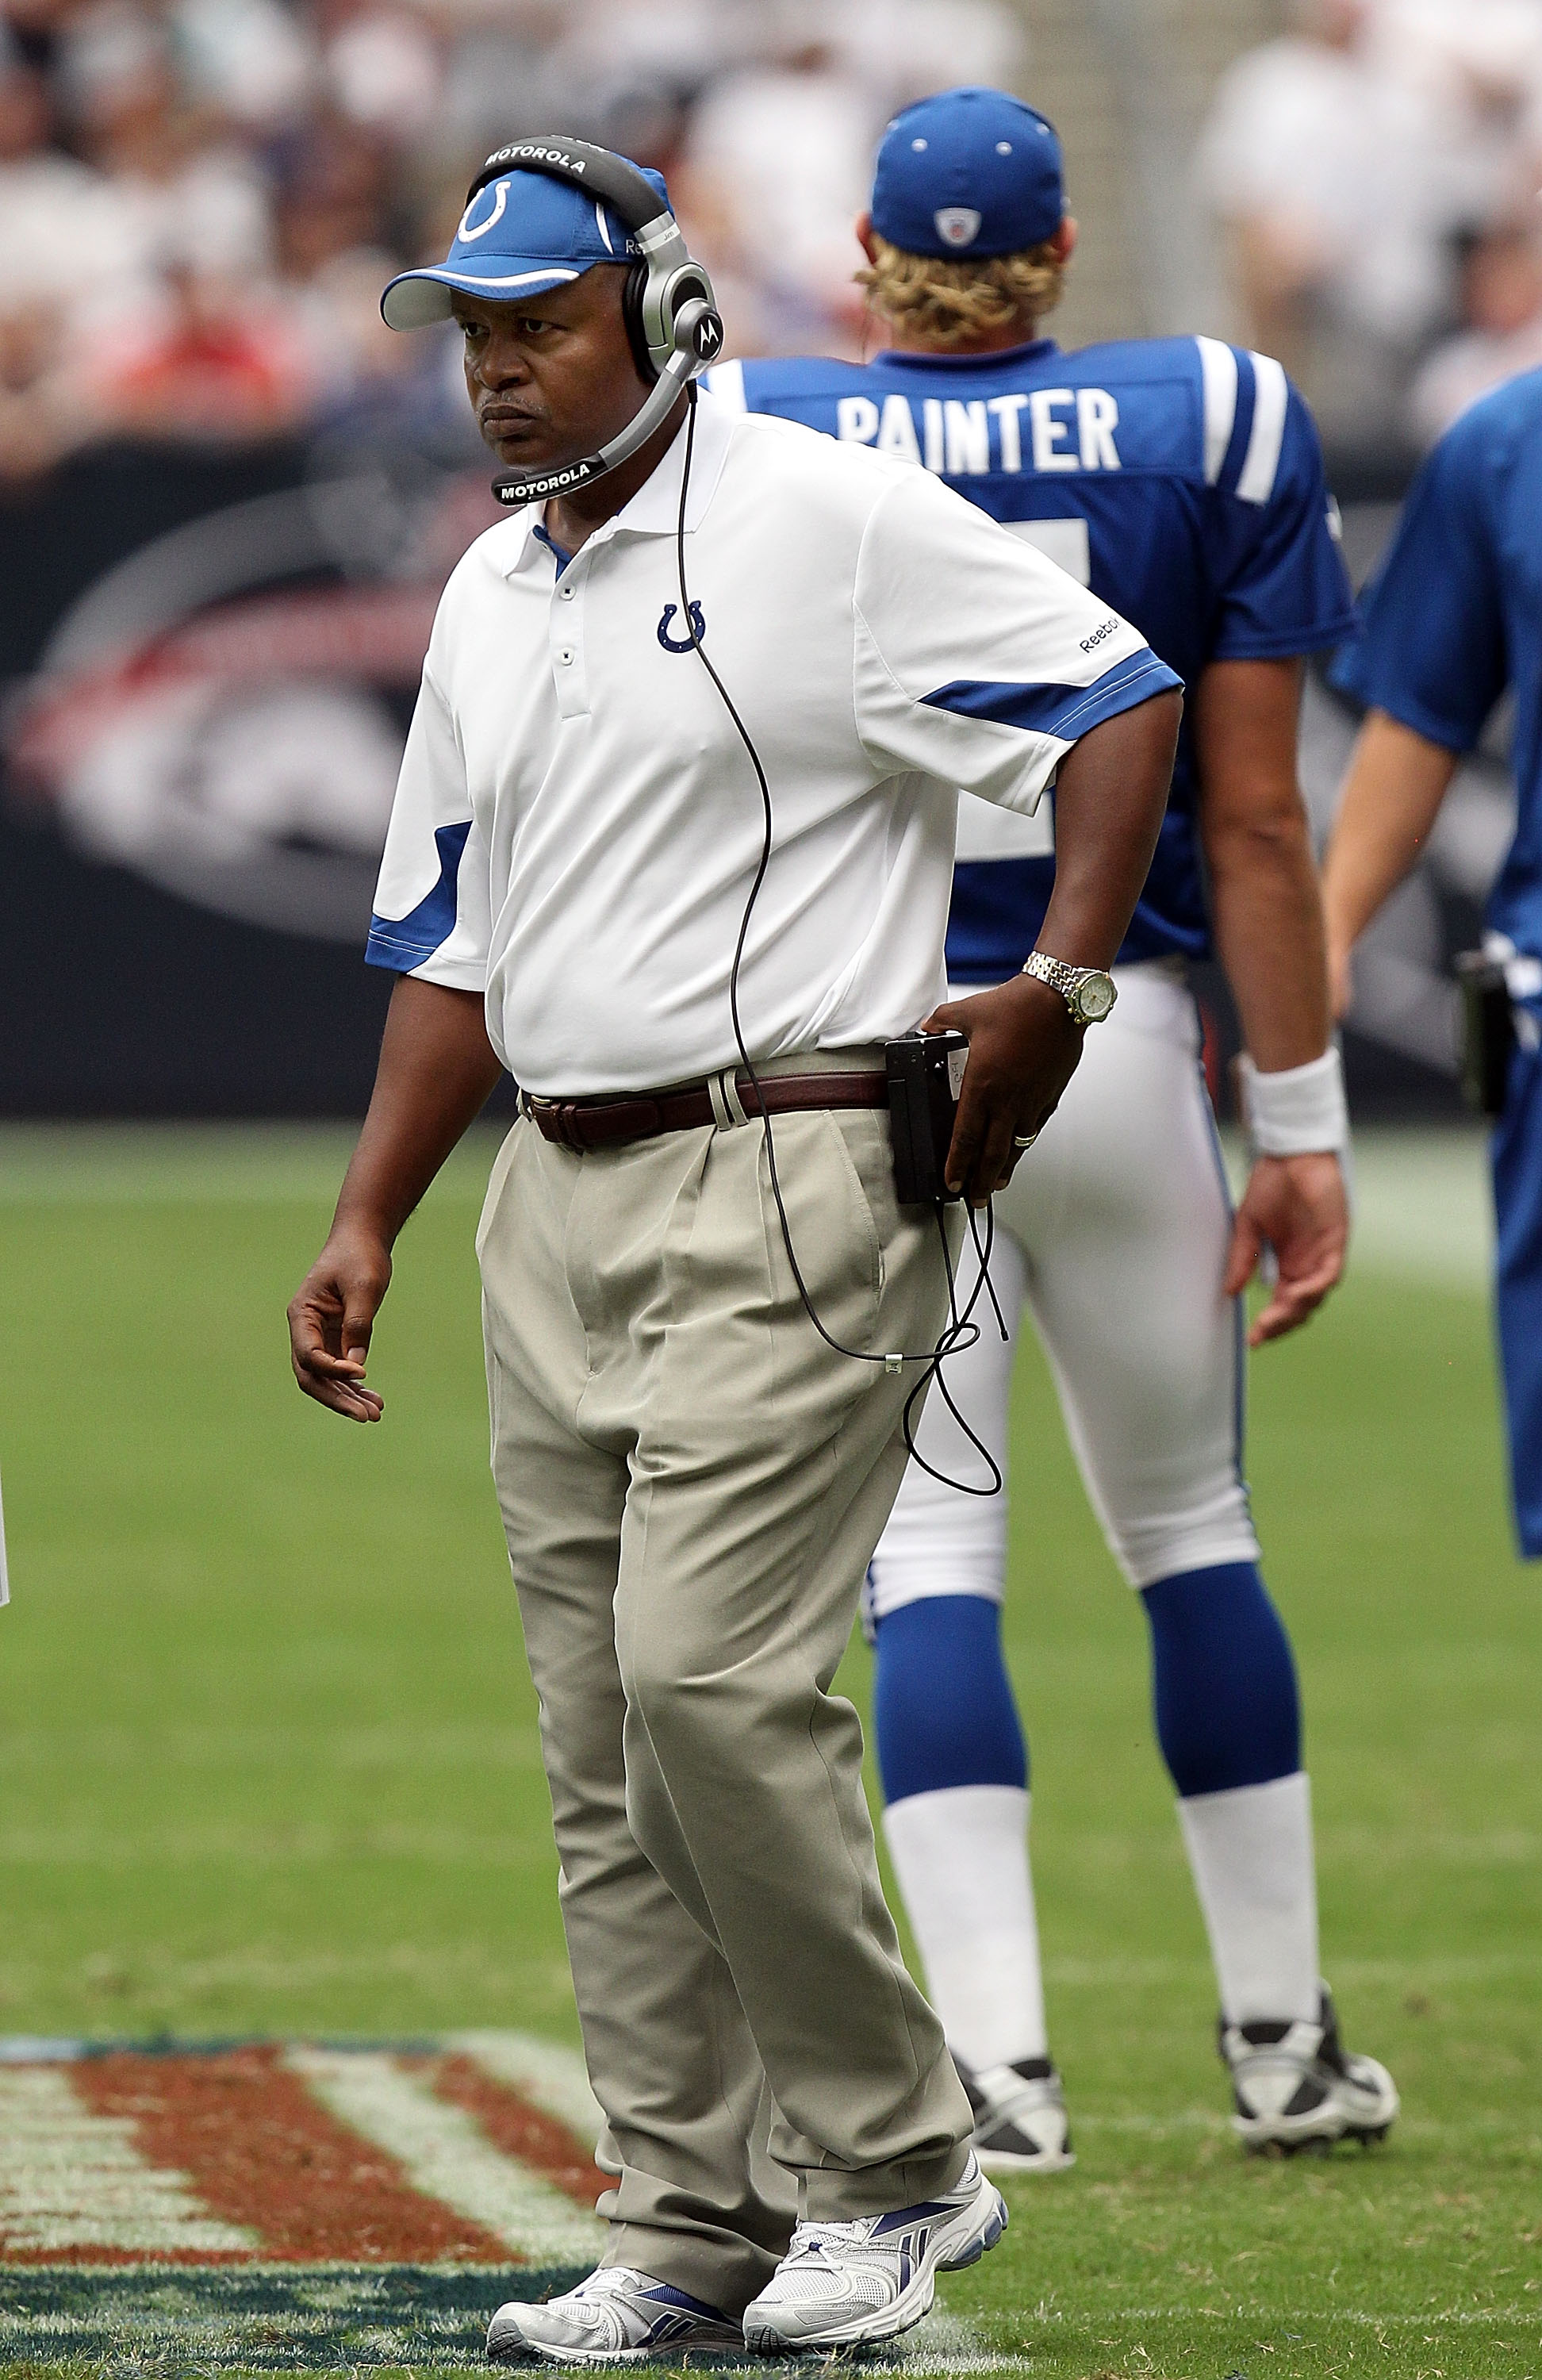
(1113, 1231)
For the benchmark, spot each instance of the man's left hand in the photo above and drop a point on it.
(1298, 1206)
(1024, 1049)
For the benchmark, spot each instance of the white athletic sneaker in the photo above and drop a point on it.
(844, 2284)
(616, 2316)
(1297, 2087)
(1020, 2121)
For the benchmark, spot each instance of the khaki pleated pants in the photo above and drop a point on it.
(691, 1483)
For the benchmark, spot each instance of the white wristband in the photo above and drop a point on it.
(1299, 1111)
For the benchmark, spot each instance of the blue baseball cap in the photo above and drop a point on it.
(523, 234)
(970, 173)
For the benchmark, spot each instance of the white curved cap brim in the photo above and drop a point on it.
(413, 299)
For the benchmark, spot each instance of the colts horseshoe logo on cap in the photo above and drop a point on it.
(478, 231)
(683, 644)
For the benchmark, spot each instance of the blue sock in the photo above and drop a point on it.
(944, 1712)
(1222, 1680)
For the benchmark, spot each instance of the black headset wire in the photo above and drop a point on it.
(960, 1330)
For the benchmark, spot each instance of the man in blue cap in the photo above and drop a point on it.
(1182, 481)
(673, 843)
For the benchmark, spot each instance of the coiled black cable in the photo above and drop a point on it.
(960, 1330)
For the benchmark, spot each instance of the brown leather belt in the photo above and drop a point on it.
(610, 1124)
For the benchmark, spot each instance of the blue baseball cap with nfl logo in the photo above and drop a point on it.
(971, 173)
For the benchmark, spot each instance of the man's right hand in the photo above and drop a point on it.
(436, 1070)
(330, 1318)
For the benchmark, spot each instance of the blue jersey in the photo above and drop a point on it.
(1454, 615)
(1180, 478)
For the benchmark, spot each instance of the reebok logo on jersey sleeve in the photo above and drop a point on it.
(1109, 628)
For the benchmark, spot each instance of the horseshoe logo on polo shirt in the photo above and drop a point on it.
(683, 644)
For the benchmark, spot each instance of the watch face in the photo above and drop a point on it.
(1095, 997)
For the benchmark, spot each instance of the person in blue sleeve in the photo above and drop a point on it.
(1181, 479)
(1453, 619)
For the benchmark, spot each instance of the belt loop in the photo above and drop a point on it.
(728, 1109)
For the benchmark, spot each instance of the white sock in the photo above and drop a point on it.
(962, 1859)
(1251, 1852)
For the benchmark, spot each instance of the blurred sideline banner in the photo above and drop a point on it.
(209, 662)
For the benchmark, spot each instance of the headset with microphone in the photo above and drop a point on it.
(670, 314)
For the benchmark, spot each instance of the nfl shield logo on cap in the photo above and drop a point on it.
(957, 226)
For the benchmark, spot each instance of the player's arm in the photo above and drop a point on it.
(1397, 781)
(436, 1073)
(1269, 926)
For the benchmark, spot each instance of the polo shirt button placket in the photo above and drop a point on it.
(567, 645)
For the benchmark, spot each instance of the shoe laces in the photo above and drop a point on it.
(818, 2239)
(610, 2280)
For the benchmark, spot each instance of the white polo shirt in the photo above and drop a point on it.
(578, 826)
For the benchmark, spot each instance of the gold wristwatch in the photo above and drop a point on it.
(1088, 992)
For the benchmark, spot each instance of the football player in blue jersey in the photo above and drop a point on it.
(1183, 480)
(1454, 618)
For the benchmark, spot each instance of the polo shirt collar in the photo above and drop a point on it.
(655, 509)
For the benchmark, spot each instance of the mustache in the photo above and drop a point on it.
(500, 409)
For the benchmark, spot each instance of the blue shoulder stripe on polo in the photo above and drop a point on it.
(1242, 425)
(403, 943)
(1063, 711)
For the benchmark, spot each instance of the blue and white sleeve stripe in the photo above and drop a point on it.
(1245, 400)
(1064, 712)
(403, 943)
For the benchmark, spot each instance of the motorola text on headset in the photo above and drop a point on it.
(675, 330)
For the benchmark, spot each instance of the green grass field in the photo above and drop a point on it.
(268, 1761)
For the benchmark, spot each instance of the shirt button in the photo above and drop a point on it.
(565, 654)
(565, 594)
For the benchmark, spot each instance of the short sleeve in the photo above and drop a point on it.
(1287, 590)
(1433, 654)
(976, 660)
(432, 908)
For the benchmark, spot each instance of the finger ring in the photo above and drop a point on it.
(1024, 1139)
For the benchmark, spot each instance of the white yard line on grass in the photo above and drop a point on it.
(444, 2153)
(70, 2178)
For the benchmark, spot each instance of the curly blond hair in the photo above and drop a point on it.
(945, 302)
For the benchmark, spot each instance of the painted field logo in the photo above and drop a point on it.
(473, 2150)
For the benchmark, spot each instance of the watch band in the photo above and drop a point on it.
(1068, 980)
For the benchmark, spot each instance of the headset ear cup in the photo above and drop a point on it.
(632, 294)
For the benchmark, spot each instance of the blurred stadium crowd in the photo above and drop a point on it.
(200, 199)
(1375, 172)
(201, 411)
